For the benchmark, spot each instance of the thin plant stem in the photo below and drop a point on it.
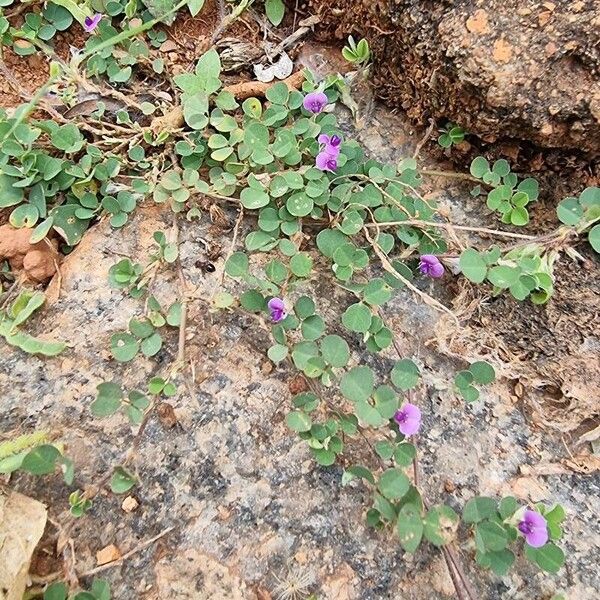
(447, 226)
(450, 174)
(124, 35)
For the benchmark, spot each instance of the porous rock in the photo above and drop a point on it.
(500, 68)
(38, 261)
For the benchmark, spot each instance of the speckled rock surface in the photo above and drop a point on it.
(249, 508)
(500, 68)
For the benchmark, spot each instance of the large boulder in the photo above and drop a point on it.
(522, 69)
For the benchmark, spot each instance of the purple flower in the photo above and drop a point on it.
(408, 419)
(276, 309)
(315, 102)
(326, 161)
(430, 265)
(533, 527)
(331, 145)
(90, 23)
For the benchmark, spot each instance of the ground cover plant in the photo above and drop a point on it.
(318, 207)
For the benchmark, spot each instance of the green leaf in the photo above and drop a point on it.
(368, 414)
(209, 65)
(463, 379)
(124, 346)
(479, 508)
(556, 515)
(301, 264)
(253, 199)
(9, 193)
(473, 265)
(405, 374)
(25, 215)
(502, 276)
(25, 305)
(67, 224)
(56, 591)
(275, 10)
(101, 589)
(328, 240)
(323, 457)
(30, 344)
(393, 484)
(384, 449)
(483, 372)
(304, 307)
(357, 317)
(501, 167)
(141, 328)
(237, 265)
(549, 558)
(195, 6)
(41, 460)
(440, 523)
(299, 204)
(279, 92)
(335, 350)
(519, 216)
(277, 352)
(531, 187)
(409, 527)
(490, 536)
(469, 393)
(312, 327)
(302, 352)
(298, 421)
(508, 507)
(501, 561)
(377, 292)
(174, 314)
(357, 471)
(404, 454)
(152, 345)
(357, 384)
(479, 167)
(594, 238)
(223, 300)
(569, 211)
(108, 399)
(67, 138)
(121, 481)
(276, 271)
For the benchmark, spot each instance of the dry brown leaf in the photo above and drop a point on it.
(529, 488)
(108, 554)
(22, 523)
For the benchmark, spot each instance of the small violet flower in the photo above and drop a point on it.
(431, 265)
(90, 23)
(326, 161)
(331, 144)
(408, 419)
(276, 309)
(330, 150)
(534, 529)
(315, 102)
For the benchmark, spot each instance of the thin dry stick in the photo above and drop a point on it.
(461, 583)
(183, 295)
(236, 230)
(390, 269)
(424, 139)
(450, 174)
(449, 226)
(129, 554)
